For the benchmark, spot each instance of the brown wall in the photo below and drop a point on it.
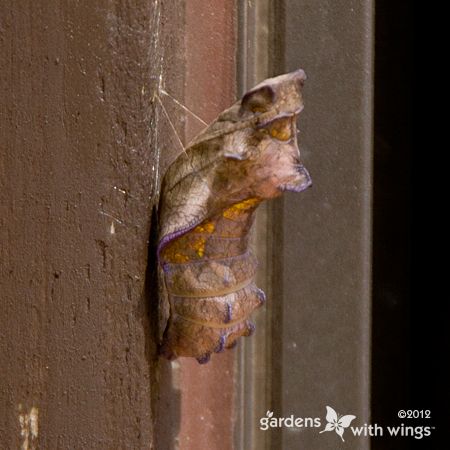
(78, 175)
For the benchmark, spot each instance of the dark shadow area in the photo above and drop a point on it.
(165, 399)
(408, 339)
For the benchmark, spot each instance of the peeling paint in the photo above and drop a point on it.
(122, 191)
(176, 375)
(29, 427)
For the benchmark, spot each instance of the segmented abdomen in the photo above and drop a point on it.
(209, 276)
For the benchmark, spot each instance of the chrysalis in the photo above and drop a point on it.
(207, 207)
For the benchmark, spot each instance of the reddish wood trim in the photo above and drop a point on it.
(207, 402)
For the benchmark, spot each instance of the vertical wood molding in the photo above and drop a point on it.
(254, 382)
(207, 391)
(315, 247)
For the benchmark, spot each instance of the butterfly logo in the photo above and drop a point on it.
(336, 422)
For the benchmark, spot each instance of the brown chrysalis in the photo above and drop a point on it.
(208, 201)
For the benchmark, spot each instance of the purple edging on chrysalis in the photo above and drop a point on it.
(170, 237)
(229, 313)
